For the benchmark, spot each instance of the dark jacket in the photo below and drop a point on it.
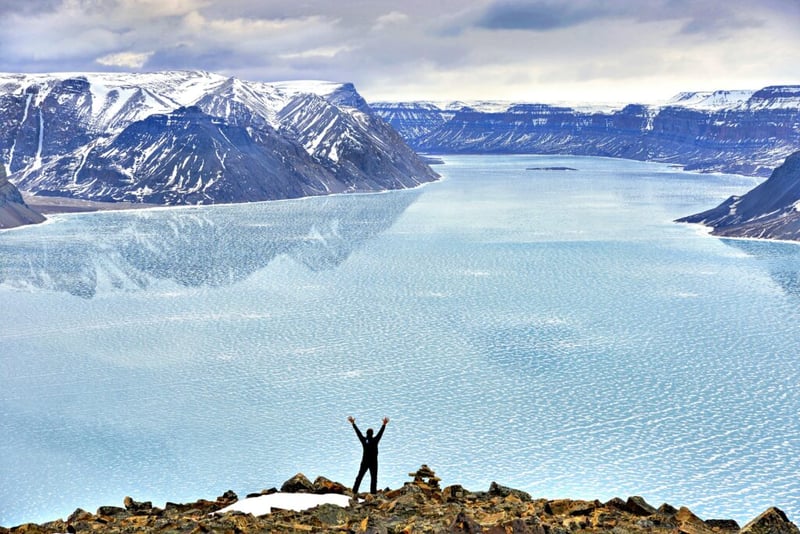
(370, 445)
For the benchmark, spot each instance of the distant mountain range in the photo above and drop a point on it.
(743, 132)
(194, 137)
(769, 211)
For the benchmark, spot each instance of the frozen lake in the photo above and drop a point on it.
(553, 331)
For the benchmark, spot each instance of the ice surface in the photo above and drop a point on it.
(554, 332)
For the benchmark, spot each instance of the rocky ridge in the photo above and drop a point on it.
(769, 211)
(421, 505)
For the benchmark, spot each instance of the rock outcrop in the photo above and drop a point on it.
(769, 211)
(418, 506)
(13, 210)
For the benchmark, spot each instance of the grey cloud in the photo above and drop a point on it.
(540, 16)
(698, 16)
(27, 7)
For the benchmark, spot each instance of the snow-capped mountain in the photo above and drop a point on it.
(771, 210)
(747, 132)
(195, 137)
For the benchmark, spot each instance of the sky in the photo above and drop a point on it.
(642, 51)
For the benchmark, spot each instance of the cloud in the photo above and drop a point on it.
(30, 6)
(323, 52)
(451, 49)
(128, 60)
(390, 19)
(540, 16)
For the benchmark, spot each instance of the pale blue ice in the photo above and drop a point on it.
(553, 331)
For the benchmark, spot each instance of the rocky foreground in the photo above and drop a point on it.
(419, 506)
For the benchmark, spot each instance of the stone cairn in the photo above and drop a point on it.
(425, 478)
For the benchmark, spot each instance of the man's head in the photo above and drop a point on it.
(369, 432)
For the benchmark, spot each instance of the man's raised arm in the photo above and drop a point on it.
(358, 432)
(383, 427)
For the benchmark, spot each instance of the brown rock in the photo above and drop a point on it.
(605, 518)
(111, 511)
(723, 525)
(323, 485)
(463, 524)
(667, 509)
(503, 491)
(137, 507)
(638, 506)
(79, 515)
(689, 523)
(454, 493)
(771, 521)
(617, 504)
(298, 484)
(570, 507)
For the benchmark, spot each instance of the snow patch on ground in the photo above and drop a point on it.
(263, 504)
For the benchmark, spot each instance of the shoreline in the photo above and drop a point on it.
(56, 205)
(52, 205)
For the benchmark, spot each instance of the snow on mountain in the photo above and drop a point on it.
(194, 136)
(746, 132)
(711, 100)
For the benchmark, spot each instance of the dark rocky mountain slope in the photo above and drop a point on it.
(769, 211)
(13, 210)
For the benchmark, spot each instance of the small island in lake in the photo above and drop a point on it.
(550, 169)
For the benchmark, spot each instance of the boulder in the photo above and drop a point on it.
(638, 506)
(137, 507)
(688, 523)
(496, 489)
(298, 484)
(454, 493)
(323, 485)
(464, 524)
(723, 525)
(111, 511)
(570, 507)
(771, 521)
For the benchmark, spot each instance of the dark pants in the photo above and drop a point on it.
(373, 476)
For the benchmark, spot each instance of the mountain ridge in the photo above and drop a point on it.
(744, 132)
(190, 137)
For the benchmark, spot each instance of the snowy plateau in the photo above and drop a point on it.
(743, 132)
(193, 137)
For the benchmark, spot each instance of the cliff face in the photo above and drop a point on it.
(745, 132)
(768, 211)
(195, 137)
(13, 210)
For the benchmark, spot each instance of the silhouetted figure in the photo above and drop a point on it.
(369, 459)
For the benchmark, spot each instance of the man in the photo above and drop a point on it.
(369, 458)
